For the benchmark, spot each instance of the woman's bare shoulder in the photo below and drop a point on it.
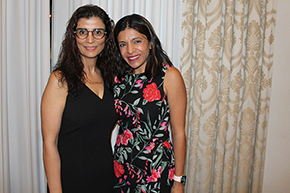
(57, 81)
(172, 74)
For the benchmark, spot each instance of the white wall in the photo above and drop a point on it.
(277, 165)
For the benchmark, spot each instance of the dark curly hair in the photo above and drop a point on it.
(69, 61)
(157, 55)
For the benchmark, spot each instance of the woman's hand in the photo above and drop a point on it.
(177, 187)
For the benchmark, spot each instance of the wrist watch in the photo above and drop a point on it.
(180, 179)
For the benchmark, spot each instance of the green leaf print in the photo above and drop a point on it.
(136, 102)
(134, 92)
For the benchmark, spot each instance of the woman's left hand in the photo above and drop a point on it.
(177, 187)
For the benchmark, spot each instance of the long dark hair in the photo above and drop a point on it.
(69, 61)
(157, 55)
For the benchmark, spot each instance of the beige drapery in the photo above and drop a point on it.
(226, 62)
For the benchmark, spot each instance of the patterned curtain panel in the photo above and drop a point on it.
(226, 62)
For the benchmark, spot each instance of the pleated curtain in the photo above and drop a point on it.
(227, 61)
(25, 67)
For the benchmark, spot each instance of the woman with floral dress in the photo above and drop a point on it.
(149, 93)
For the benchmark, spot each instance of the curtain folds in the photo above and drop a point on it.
(226, 62)
(25, 61)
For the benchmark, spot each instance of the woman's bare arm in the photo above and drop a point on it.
(52, 106)
(176, 94)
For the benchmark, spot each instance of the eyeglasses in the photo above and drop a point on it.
(83, 33)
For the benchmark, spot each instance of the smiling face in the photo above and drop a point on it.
(90, 47)
(134, 48)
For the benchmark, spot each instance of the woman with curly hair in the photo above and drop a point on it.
(77, 110)
(149, 93)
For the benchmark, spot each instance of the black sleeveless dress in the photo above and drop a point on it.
(143, 155)
(84, 142)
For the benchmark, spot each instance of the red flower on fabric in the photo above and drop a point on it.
(150, 148)
(151, 93)
(118, 141)
(155, 175)
(163, 124)
(138, 82)
(118, 168)
(116, 80)
(126, 136)
(166, 144)
(171, 174)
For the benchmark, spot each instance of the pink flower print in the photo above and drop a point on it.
(138, 115)
(118, 141)
(166, 65)
(149, 179)
(116, 80)
(120, 112)
(126, 110)
(163, 124)
(134, 120)
(165, 128)
(126, 136)
(118, 168)
(118, 107)
(129, 113)
(155, 175)
(150, 148)
(138, 82)
(166, 144)
(171, 174)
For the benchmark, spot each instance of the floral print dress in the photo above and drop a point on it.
(143, 154)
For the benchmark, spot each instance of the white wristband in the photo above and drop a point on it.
(180, 179)
(177, 178)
